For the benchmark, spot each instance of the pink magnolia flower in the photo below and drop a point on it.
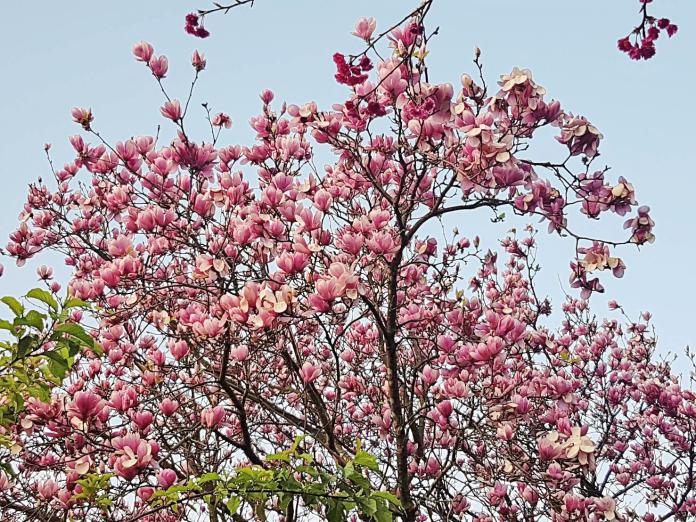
(213, 417)
(83, 116)
(607, 507)
(267, 96)
(123, 400)
(168, 406)
(198, 61)
(144, 493)
(222, 120)
(159, 67)
(292, 263)
(579, 446)
(179, 349)
(322, 199)
(47, 489)
(84, 406)
(445, 408)
(432, 467)
(210, 327)
(143, 51)
(142, 419)
(132, 455)
(241, 353)
(166, 478)
(44, 272)
(171, 110)
(82, 465)
(364, 28)
(549, 448)
(309, 372)
(430, 375)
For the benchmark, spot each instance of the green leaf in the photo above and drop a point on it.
(349, 470)
(35, 319)
(73, 348)
(44, 296)
(233, 504)
(6, 325)
(14, 305)
(389, 497)
(296, 443)
(74, 302)
(283, 456)
(335, 512)
(105, 501)
(58, 366)
(368, 506)
(25, 346)
(362, 458)
(76, 331)
(208, 477)
(383, 514)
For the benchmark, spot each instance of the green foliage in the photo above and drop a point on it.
(291, 476)
(39, 346)
(95, 488)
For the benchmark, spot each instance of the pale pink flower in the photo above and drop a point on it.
(168, 407)
(143, 51)
(179, 349)
(171, 110)
(82, 116)
(44, 272)
(213, 417)
(132, 455)
(240, 353)
(430, 375)
(222, 120)
(309, 372)
(159, 67)
(364, 28)
(198, 61)
(607, 507)
(322, 199)
(579, 446)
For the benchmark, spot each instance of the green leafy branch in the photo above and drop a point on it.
(40, 346)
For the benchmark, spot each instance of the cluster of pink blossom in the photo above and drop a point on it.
(245, 296)
(195, 27)
(640, 43)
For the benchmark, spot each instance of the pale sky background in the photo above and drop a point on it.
(57, 55)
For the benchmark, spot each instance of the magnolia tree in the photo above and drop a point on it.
(289, 341)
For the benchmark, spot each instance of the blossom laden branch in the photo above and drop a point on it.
(639, 44)
(194, 21)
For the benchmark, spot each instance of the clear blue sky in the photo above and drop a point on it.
(57, 55)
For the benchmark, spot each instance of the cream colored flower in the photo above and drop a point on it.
(579, 446)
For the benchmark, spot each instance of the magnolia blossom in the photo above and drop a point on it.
(132, 455)
(309, 372)
(365, 27)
